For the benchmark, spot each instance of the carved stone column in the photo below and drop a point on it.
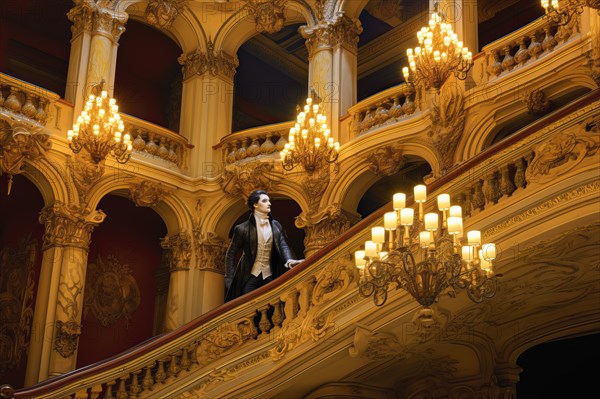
(332, 57)
(178, 254)
(323, 226)
(57, 315)
(207, 90)
(210, 261)
(95, 34)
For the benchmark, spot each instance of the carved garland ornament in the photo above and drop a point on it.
(386, 161)
(323, 226)
(146, 193)
(111, 292)
(214, 63)
(210, 252)
(448, 121)
(268, 14)
(245, 178)
(19, 143)
(162, 13)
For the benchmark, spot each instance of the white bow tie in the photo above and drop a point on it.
(263, 221)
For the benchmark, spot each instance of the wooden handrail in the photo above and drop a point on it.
(152, 344)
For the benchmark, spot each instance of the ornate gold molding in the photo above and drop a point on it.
(269, 15)
(17, 285)
(19, 144)
(386, 160)
(162, 13)
(111, 291)
(179, 251)
(448, 121)
(210, 251)
(84, 172)
(329, 34)
(247, 177)
(147, 193)
(377, 345)
(67, 335)
(562, 153)
(67, 225)
(324, 226)
(212, 63)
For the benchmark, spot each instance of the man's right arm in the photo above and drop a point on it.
(234, 248)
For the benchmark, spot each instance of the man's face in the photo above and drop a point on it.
(264, 204)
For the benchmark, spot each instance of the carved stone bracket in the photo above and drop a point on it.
(328, 34)
(377, 346)
(245, 178)
(162, 13)
(386, 161)
(268, 15)
(20, 141)
(67, 334)
(536, 102)
(210, 252)
(562, 153)
(323, 226)
(67, 225)
(146, 193)
(448, 121)
(92, 16)
(179, 251)
(211, 62)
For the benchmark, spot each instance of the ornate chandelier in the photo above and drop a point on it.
(434, 262)
(309, 142)
(438, 55)
(99, 129)
(561, 15)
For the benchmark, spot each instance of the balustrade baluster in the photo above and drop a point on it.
(135, 388)
(174, 368)
(477, 198)
(95, 391)
(148, 380)
(160, 375)
(520, 180)
(264, 324)
(109, 390)
(506, 184)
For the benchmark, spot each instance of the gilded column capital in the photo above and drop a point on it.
(326, 35)
(68, 225)
(179, 251)
(210, 251)
(323, 226)
(212, 62)
(88, 16)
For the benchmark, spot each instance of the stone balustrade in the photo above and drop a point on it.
(384, 108)
(157, 143)
(24, 100)
(525, 45)
(264, 141)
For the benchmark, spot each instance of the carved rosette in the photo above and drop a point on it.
(245, 178)
(214, 63)
(210, 252)
(323, 226)
(162, 13)
(536, 102)
(386, 161)
(448, 122)
(562, 153)
(179, 251)
(146, 193)
(67, 225)
(89, 16)
(19, 144)
(326, 34)
(268, 15)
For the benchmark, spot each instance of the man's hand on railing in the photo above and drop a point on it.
(293, 262)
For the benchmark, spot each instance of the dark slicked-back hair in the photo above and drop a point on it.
(254, 197)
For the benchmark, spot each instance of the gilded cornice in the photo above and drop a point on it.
(212, 62)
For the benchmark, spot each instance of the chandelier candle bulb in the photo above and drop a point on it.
(370, 249)
(425, 239)
(378, 235)
(443, 201)
(467, 253)
(390, 220)
(489, 251)
(407, 216)
(484, 264)
(420, 193)
(359, 259)
(474, 238)
(399, 201)
(455, 225)
(431, 221)
(456, 211)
